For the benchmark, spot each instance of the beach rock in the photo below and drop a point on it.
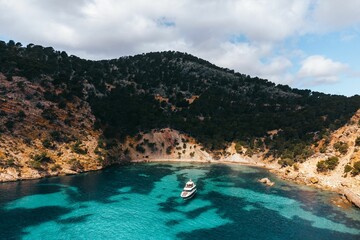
(69, 172)
(267, 182)
(341, 202)
(314, 180)
(352, 197)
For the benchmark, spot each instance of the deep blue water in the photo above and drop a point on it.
(142, 201)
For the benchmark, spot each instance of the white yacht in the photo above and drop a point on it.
(189, 190)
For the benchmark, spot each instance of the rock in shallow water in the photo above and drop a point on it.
(267, 182)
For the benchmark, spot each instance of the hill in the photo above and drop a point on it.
(62, 114)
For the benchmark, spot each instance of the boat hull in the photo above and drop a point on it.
(187, 195)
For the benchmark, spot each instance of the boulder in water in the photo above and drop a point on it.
(267, 182)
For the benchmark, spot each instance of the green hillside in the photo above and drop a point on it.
(214, 105)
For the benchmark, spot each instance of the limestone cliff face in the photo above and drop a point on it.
(171, 145)
(164, 144)
(340, 144)
(40, 138)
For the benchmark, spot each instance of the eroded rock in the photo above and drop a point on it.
(267, 182)
(314, 180)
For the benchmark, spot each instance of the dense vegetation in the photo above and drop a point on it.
(326, 165)
(356, 168)
(153, 90)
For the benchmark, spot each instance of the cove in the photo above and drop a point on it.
(142, 201)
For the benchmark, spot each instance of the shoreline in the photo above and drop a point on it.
(351, 197)
(172, 160)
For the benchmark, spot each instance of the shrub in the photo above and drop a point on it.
(168, 150)
(347, 168)
(356, 168)
(342, 147)
(100, 159)
(27, 141)
(21, 85)
(138, 137)
(286, 162)
(332, 162)
(2, 113)
(39, 105)
(62, 104)
(56, 136)
(77, 148)
(152, 146)
(75, 165)
(47, 144)
(323, 149)
(249, 152)
(296, 167)
(97, 151)
(101, 143)
(357, 141)
(326, 165)
(42, 158)
(55, 167)
(35, 165)
(259, 144)
(49, 114)
(321, 166)
(8, 162)
(9, 125)
(238, 147)
(306, 153)
(21, 115)
(140, 148)
(67, 121)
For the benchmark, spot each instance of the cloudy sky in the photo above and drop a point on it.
(313, 44)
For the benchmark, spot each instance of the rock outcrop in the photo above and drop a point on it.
(341, 178)
(352, 197)
(267, 182)
(41, 138)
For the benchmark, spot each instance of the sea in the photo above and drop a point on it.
(142, 201)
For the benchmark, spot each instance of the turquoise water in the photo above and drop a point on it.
(142, 202)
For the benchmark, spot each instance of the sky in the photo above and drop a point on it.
(307, 44)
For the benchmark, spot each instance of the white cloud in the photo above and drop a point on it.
(112, 28)
(321, 70)
(246, 35)
(332, 14)
(126, 27)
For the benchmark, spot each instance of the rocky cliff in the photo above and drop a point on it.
(40, 138)
(343, 145)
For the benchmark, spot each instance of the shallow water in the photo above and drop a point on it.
(142, 201)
